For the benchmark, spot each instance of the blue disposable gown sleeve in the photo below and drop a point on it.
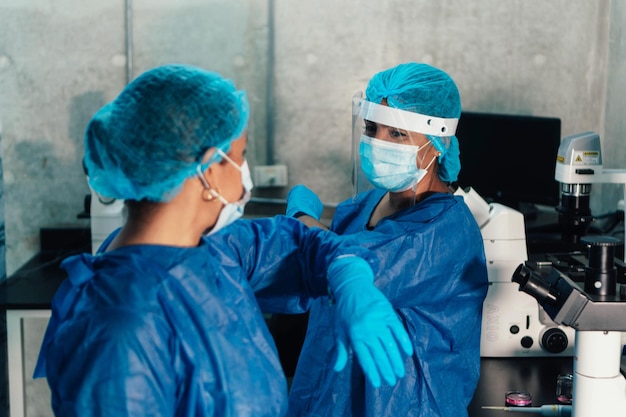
(284, 261)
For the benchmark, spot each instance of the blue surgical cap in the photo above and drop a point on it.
(424, 89)
(151, 138)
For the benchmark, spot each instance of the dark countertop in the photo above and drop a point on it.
(34, 284)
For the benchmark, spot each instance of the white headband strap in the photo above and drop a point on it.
(406, 120)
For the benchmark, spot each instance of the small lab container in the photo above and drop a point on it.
(518, 399)
(564, 383)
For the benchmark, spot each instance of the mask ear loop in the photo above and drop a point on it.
(432, 161)
(437, 155)
(209, 194)
(227, 158)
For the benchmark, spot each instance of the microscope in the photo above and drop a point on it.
(585, 291)
(596, 309)
(513, 324)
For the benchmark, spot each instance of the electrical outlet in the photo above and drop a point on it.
(270, 176)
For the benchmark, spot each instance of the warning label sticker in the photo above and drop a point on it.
(586, 158)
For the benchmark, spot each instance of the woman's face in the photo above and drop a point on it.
(402, 137)
(393, 134)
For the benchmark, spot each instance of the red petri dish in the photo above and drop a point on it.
(518, 399)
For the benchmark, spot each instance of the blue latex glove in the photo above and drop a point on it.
(301, 199)
(366, 321)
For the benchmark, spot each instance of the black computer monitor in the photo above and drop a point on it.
(510, 159)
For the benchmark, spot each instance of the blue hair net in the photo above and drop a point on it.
(150, 139)
(424, 89)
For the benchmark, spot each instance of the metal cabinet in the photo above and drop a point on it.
(28, 397)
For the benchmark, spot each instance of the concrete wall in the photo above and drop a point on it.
(3, 265)
(614, 144)
(60, 60)
(521, 57)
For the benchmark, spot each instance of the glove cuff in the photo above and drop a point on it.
(300, 214)
(346, 269)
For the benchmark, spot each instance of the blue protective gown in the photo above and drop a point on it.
(151, 330)
(433, 270)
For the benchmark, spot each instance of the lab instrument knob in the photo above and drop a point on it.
(527, 342)
(554, 340)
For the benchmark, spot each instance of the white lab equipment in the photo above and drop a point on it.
(596, 309)
(578, 165)
(597, 312)
(513, 323)
(106, 215)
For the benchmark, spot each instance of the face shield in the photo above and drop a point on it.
(388, 145)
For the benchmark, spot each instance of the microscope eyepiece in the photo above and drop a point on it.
(533, 284)
(521, 275)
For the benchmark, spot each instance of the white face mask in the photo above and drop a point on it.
(231, 211)
(391, 166)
